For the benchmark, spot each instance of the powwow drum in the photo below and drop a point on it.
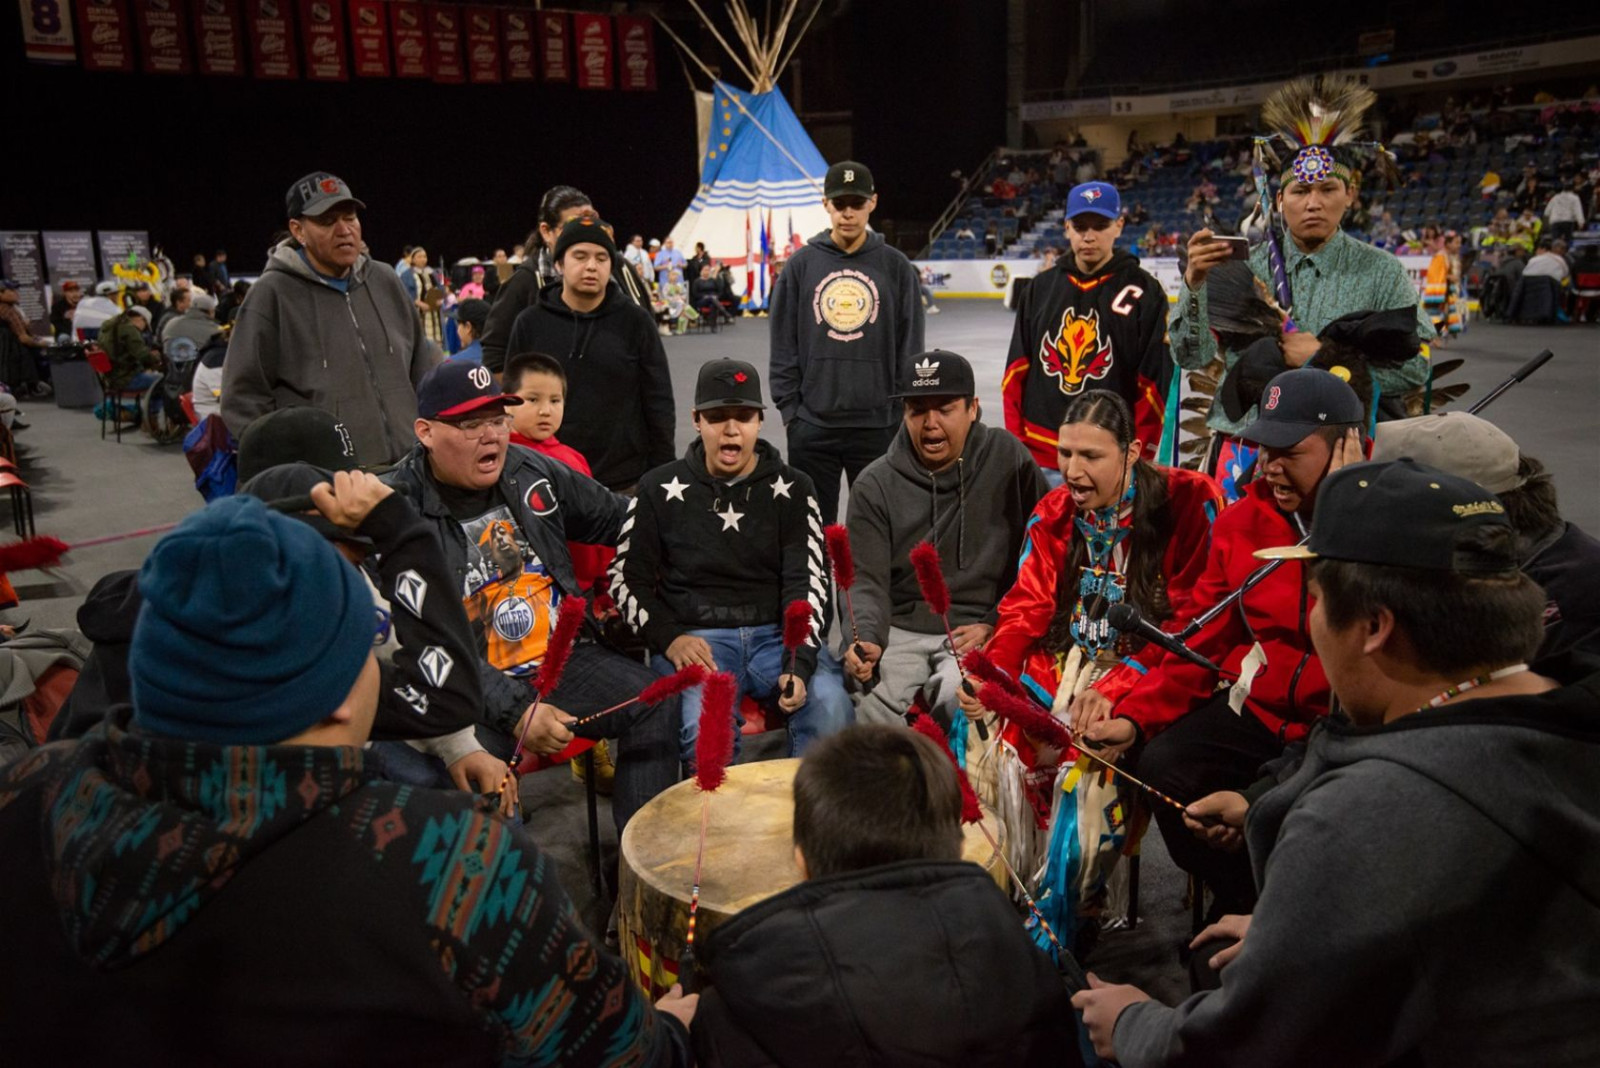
(749, 857)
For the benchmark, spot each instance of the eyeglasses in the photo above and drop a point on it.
(478, 428)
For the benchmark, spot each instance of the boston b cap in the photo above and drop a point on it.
(1301, 401)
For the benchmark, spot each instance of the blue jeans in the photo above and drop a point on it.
(595, 678)
(755, 658)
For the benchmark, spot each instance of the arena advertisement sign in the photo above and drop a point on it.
(516, 33)
(69, 254)
(369, 38)
(322, 33)
(555, 58)
(483, 45)
(218, 42)
(106, 43)
(444, 28)
(20, 261)
(592, 34)
(412, 51)
(637, 44)
(47, 31)
(272, 54)
(163, 41)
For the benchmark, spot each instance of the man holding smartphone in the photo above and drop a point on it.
(1330, 274)
(1096, 320)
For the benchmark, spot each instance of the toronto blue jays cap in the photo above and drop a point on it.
(1094, 198)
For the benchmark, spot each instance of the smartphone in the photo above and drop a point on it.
(1238, 247)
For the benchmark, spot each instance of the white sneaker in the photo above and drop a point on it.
(933, 309)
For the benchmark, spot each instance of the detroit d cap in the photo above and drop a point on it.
(1301, 401)
(937, 373)
(848, 179)
(1401, 513)
(316, 193)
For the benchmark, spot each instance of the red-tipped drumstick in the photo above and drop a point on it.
(713, 748)
(796, 629)
(843, 560)
(569, 617)
(930, 576)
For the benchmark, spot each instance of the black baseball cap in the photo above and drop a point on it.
(316, 193)
(583, 229)
(286, 480)
(727, 384)
(938, 373)
(848, 179)
(454, 389)
(473, 311)
(1298, 402)
(1401, 513)
(295, 435)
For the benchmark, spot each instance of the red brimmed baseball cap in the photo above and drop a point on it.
(455, 389)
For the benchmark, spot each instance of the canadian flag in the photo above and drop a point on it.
(749, 263)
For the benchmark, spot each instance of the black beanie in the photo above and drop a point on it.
(583, 230)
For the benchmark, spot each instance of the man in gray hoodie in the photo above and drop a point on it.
(329, 328)
(950, 480)
(1430, 876)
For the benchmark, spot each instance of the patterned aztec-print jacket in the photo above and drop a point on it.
(186, 903)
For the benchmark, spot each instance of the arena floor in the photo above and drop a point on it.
(86, 488)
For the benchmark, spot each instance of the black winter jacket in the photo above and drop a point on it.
(521, 290)
(917, 963)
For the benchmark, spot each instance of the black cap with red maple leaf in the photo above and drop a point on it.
(727, 384)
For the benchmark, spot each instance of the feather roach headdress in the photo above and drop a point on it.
(1318, 122)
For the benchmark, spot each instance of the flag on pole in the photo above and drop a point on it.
(795, 243)
(749, 264)
(766, 259)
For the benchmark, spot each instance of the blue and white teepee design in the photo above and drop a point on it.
(757, 166)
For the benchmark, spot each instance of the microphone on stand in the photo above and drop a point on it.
(1129, 619)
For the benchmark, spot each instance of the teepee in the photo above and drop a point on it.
(760, 192)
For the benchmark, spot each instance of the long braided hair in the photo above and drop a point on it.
(1147, 542)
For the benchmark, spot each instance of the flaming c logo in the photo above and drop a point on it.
(1077, 353)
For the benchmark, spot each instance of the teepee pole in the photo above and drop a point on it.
(723, 41)
(794, 46)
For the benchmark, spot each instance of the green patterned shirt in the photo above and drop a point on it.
(1343, 276)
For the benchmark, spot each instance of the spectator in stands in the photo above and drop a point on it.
(125, 337)
(1564, 213)
(1416, 589)
(1489, 184)
(704, 292)
(473, 289)
(64, 307)
(991, 238)
(472, 316)
(877, 837)
(984, 484)
(1530, 192)
(636, 257)
(964, 232)
(666, 261)
(1550, 262)
(191, 318)
(1003, 189)
(1526, 229)
(846, 320)
(619, 411)
(326, 327)
(1385, 231)
(1500, 228)
(691, 270)
(280, 683)
(1138, 215)
(1096, 321)
(141, 294)
(1330, 274)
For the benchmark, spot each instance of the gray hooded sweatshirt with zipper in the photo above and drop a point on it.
(299, 341)
(974, 512)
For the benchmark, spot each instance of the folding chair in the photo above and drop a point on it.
(111, 399)
(21, 499)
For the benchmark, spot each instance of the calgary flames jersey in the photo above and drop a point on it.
(1078, 332)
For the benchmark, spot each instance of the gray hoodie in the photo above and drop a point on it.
(974, 511)
(1430, 890)
(358, 355)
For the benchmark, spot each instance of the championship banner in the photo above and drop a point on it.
(369, 38)
(593, 36)
(554, 56)
(21, 262)
(483, 45)
(47, 31)
(69, 254)
(322, 33)
(444, 27)
(636, 42)
(218, 43)
(271, 39)
(408, 27)
(106, 43)
(516, 30)
(162, 39)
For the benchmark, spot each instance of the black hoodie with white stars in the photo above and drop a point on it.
(698, 552)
